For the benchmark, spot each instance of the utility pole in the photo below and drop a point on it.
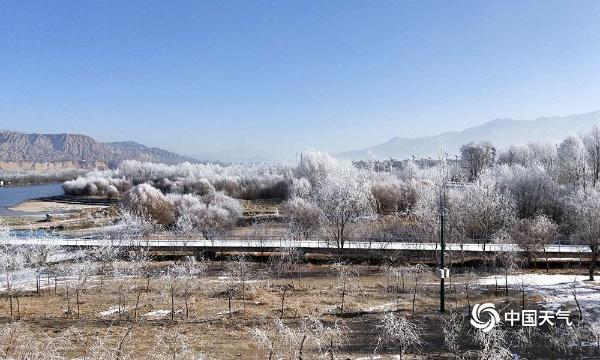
(443, 250)
(442, 271)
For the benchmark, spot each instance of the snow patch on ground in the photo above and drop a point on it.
(557, 290)
(382, 308)
(111, 311)
(158, 314)
(64, 255)
(532, 279)
(222, 313)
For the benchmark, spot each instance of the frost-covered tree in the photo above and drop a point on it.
(265, 339)
(238, 275)
(543, 154)
(479, 210)
(532, 189)
(211, 214)
(175, 344)
(591, 142)
(494, 344)
(506, 256)
(303, 218)
(452, 327)
(311, 335)
(399, 333)
(346, 282)
(300, 188)
(516, 154)
(571, 169)
(343, 196)
(13, 259)
(477, 156)
(584, 215)
(533, 235)
(316, 166)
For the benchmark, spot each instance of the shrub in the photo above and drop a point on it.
(146, 201)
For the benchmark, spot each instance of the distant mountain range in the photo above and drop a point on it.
(501, 132)
(20, 147)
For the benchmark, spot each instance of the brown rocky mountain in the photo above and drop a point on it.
(51, 148)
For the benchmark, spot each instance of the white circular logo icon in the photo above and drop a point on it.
(482, 309)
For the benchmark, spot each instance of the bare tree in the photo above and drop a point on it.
(393, 196)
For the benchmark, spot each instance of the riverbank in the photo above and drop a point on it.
(59, 212)
(62, 204)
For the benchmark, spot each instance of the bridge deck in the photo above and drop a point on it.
(315, 246)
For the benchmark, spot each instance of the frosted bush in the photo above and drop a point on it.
(210, 214)
(240, 181)
(97, 183)
(146, 201)
(300, 188)
(18, 177)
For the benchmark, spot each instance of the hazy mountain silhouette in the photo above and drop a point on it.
(501, 132)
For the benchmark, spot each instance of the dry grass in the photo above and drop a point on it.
(210, 329)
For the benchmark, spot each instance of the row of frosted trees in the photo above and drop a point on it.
(532, 195)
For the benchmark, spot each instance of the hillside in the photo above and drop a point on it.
(135, 151)
(501, 132)
(55, 148)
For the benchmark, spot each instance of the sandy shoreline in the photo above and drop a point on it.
(65, 212)
(40, 206)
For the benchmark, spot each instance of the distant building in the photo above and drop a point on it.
(393, 165)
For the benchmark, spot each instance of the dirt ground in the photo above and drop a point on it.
(109, 316)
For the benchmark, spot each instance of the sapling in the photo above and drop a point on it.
(397, 332)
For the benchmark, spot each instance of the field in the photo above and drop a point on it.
(123, 309)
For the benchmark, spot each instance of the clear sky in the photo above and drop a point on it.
(277, 77)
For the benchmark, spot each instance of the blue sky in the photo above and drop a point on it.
(278, 77)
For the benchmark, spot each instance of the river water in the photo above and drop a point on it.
(13, 195)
